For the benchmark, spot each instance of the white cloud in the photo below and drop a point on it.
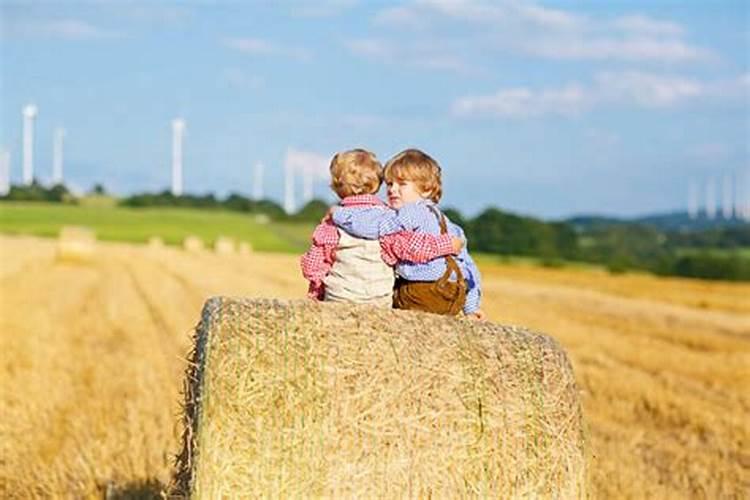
(420, 55)
(632, 49)
(400, 17)
(250, 45)
(522, 102)
(547, 18)
(530, 29)
(261, 47)
(370, 47)
(152, 14)
(648, 89)
(65, 29)
(632, 88)
(322, 8)
(644, 25)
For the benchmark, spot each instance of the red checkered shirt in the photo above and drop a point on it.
(402, 246)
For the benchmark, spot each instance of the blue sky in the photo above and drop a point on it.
(544, 108)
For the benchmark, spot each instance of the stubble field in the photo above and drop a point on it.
(93, 357)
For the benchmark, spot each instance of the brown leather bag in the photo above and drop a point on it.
(440, 297)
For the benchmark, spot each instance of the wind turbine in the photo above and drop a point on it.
(693, 200)
(289, 173)
(4, 172)
(29, 114)
(178, 129)
(727, 205)
(710, 199)
(258, 181)
(743, 197)
(57, 155)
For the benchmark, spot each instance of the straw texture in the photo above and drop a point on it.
(300, 399)
(76, 243)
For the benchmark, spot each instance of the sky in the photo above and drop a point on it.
(550, 109)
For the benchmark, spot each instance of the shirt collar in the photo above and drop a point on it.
(360, 200)
(424, 201)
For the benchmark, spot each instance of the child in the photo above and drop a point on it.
(445, 285)
(341, 267)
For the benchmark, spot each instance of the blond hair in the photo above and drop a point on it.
(356, 171)
(419, 167)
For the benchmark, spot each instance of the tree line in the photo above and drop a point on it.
(715, 253)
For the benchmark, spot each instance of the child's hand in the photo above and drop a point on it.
(328, 215)
(478, 315)
(458, 244)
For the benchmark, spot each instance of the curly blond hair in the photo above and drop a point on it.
(356, 171)
(419, 167)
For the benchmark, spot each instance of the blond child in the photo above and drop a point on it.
(444, 285)
(345, 268)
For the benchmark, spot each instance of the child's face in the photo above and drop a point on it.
(401, 192)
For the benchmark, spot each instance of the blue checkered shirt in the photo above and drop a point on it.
(419, 217)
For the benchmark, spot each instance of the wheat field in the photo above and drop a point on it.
(93, 359)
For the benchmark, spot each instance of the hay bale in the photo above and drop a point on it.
(192, 244)
(299, 399)
(76, 243)
(245, 248)
(262, 219)
(155, 243)
(224, 245)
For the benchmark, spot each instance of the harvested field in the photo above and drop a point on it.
(93, 360)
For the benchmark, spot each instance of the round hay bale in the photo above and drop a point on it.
(262, 219)
(192, 244)
(299, 399)
(224, 245)
(76, 243)
(155, 243)
(245, 248)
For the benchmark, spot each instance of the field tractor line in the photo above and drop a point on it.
(185, 269)
(667, 423)
(638, 323)
(20, 269)
(597, 358)
(564, 296)
(678, 388)
(57, 403)
(157, 319)
(98, 370)
(654, 356)
(165, 266)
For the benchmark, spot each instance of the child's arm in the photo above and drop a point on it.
(471, 276)
(474, 283)
(361, 223)
(317, 261)
(369, 224)
(417, 247)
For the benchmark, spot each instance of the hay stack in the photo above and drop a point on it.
(76, 243)
(224, 245)
(245, 248)
(155, 243)
(192, 244)
(297, 399)
(262, 219)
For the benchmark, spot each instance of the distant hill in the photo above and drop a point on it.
(674, 221)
